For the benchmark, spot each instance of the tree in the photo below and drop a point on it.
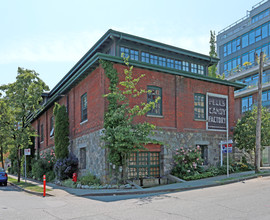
(5, 123)
(212, 70)
(245, 130)
(24, 97)
(121, 135)
(61, 133)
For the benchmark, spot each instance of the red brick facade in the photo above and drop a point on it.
(177, 103)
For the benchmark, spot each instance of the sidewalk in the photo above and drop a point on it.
(188, 185)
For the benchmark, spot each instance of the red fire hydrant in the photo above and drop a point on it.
(74, 177)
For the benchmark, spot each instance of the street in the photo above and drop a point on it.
(242, 200)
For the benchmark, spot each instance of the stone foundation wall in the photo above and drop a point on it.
(95, 154)
(96, 162)
(174, 140)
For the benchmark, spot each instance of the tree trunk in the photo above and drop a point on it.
(259, 118)
(2, 157)
(19, 165)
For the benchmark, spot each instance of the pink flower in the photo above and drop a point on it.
(181, 148)
(188, 171)
(49, 161)
(197, 159)
(198, 147)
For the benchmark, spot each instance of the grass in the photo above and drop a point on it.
(27, 186)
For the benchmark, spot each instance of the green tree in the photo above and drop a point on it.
(245, 130)
(5, 125)
(61, 132)
(121, 135)
(212, 70)
(23, 96)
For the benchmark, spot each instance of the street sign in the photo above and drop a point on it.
(225, 148)
(27, 152)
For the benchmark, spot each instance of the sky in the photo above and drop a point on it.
(50, 36)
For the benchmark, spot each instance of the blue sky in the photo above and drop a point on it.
(50, 36)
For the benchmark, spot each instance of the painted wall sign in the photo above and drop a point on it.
(216, 112)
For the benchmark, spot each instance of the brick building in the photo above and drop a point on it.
(192, 109)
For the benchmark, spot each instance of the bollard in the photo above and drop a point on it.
(44, 185)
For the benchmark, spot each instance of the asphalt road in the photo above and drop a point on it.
(242, 200)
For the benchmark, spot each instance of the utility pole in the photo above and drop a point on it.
(259, 117)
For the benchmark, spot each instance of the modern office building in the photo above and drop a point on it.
(237, 46)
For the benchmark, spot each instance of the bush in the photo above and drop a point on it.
(64, 168)
(89, 179)
(187, 162)
(44, 166)
(68, 183)
(199, 176)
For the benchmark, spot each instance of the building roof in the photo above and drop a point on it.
(91, 60)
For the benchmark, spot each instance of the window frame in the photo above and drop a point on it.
(198, 106)
(83, 108)
(52, 126)
(152, 111)
(41, 133)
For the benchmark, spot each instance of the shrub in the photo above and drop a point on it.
(187, 162)
(44, 166)
(199, 176)
(64, 168)
(68, 183)
(89, 179)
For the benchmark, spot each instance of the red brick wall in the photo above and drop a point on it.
(178, 99)
(177, 102)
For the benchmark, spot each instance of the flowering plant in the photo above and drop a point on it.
(187, 162)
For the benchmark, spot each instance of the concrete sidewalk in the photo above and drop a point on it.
(188, 185)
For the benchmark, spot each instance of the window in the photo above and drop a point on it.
(162, 61)
(185, 66)
(246, 103)
(258, 34)
(52, 126)
(251, 37)
(201, 69)
(145, 57)
(229, 48)
(132, 54)
(264, 31)
(266, 98)
(152, 94)
(153, 59)
(245, 40)
(225, 50)
(41, 133)
(84, 107)
(144, 164)
(194, 68)
(238, 44)
(204, 154)
(199, 106)
(178, 65)
(170, 63)
(83, 158)
(233, 46)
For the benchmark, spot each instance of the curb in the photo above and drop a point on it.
(29, 191)
(176, 189)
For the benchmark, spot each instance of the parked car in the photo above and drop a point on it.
(3, 177)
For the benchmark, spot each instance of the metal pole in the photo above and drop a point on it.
(227, 130)
(221, 157)
(24, 167)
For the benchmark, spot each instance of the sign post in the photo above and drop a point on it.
(26, 152)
